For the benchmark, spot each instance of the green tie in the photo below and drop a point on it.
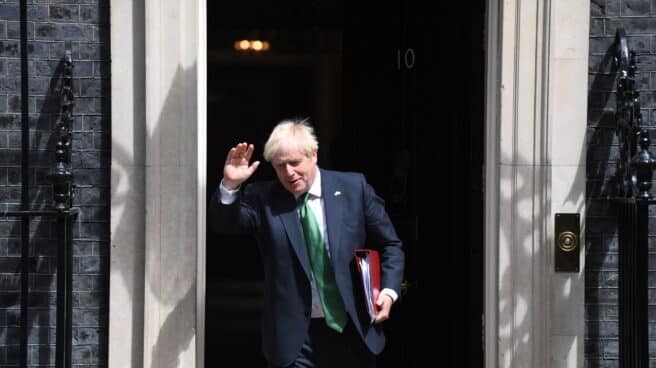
(331, 301)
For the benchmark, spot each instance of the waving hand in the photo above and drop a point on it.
(237, 167)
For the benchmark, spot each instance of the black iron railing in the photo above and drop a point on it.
(632, 199)
(62, 210)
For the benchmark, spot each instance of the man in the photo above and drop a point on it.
(307, 224)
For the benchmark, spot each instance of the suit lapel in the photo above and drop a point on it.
(292, 225)
(334, 211)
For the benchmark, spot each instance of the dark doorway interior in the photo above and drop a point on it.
(396, 94)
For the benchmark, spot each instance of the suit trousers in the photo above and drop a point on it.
(327, 348)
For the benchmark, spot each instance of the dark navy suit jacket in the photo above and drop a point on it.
(355, 218)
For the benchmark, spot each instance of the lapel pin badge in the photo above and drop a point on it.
(338, 193)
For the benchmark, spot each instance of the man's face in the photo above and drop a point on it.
(295, 170)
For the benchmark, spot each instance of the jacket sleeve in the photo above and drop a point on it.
(382, 236)
(239, 217)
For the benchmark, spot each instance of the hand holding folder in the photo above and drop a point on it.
(368, 264)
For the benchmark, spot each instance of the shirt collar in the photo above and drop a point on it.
(315, 188)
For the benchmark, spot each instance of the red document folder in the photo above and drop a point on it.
(368, 263)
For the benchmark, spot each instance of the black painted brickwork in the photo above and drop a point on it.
(50, 23)
(638, 18)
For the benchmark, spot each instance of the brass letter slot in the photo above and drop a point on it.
(568, 242)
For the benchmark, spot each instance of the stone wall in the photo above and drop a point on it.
(638, 18)
(49, 24)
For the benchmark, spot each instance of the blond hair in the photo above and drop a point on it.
(299, 130)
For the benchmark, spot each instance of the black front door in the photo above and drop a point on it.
(396, 93)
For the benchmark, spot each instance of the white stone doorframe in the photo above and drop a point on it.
(536, 90)
(536, 98)
(157, 257)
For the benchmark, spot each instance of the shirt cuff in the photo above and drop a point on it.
(228, 196)
(392, 294)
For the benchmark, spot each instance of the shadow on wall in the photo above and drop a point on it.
(171, 271)
(516, 314)
(43, 231)
(127, 211)
(524, 243)
(90, 165)
(90, 229)
(601, 298)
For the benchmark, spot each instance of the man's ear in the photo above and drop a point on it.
(314, 156)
